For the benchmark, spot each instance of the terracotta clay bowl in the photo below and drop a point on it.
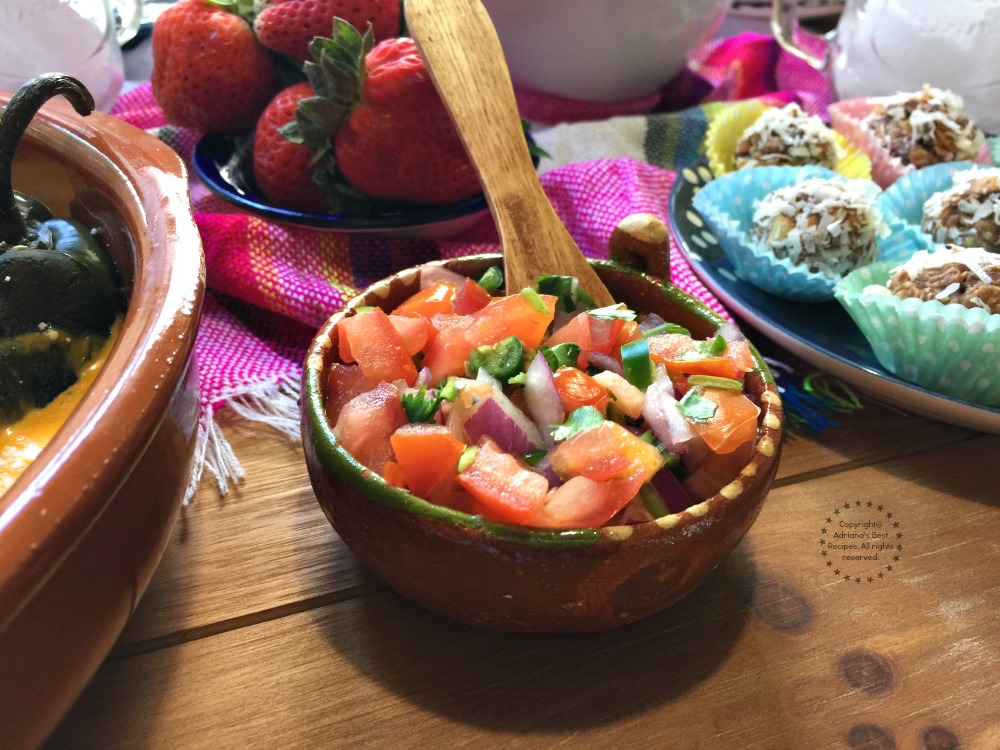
(506, 577)
(83, 528)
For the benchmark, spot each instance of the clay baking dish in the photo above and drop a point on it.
(506, 577)
(83, 528)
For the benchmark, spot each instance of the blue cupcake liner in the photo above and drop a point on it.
(904, 199)
(727, 204)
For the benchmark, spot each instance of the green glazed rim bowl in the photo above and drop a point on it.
(507, 577)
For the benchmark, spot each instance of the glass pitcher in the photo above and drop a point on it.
(882, 47)
(82, 38)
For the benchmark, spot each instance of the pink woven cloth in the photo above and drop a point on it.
(270, 286)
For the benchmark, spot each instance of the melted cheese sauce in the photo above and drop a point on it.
(21, 442)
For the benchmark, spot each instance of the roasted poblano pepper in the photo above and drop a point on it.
(59, 292)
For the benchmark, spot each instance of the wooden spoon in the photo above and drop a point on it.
(466, 62)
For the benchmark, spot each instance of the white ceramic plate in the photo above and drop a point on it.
(819, 333)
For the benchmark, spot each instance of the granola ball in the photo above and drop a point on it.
(830, 226)
(786, 137)
(925, 128)
(968, 213)
(967, 276)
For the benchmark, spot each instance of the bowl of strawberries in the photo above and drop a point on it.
(321, 119)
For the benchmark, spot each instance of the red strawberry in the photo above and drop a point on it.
(287, 26)
(209, 72)
(392, 136)
(282, 168)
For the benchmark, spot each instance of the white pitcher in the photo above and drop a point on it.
(81, 38)
(882, 47)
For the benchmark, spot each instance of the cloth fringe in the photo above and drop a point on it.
(274, 404)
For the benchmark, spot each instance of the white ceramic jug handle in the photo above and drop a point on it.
(784, 22)
(127, 15)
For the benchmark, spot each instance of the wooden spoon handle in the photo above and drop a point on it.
(466, 62)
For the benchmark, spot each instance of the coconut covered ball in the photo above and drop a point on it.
(968, 213)
(925, 128)
(786, 137)
(829, 226)
(967, 276)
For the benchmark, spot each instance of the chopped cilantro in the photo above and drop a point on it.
(492, 279)
(420, 407)
(567, 291)
(612, 312)
(696, 407)
(561, 355)
(582, 419)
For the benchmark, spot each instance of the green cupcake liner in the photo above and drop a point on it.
(948, 349)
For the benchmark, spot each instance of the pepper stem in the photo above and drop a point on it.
(19, 112)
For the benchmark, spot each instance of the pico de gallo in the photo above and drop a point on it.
(540, 408)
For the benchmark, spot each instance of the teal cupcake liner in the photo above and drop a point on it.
(946, 348)
(727, 204)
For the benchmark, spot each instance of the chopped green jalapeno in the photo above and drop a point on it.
(666, 328)
(652, 501)
(714, 381)
(467, 457)
(502, 360)
(533, 457)
(532, 298)
(492, 279)
(637, 365)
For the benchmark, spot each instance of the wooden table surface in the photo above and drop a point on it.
(261, 629)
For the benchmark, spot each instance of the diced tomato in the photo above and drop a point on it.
(393, 474)
(437, 298)
(630, 332)
(378, 347)
(607, 451)
(449, 350)
(679, 354)
(576, 388)
(511, 316)
(343, 382)
(589, 333)
(505, 487)
(414, 332)
(583, 503)
(366, 422)
(716, 470)
(627, 398)
(470, 298)
(426, 454)
(734, 423)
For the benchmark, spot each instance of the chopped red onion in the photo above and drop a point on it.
(671, 491)
(497, 417)
(541, 395)
(659, 409)
(605, 362)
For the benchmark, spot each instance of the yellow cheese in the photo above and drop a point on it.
(22, 441)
